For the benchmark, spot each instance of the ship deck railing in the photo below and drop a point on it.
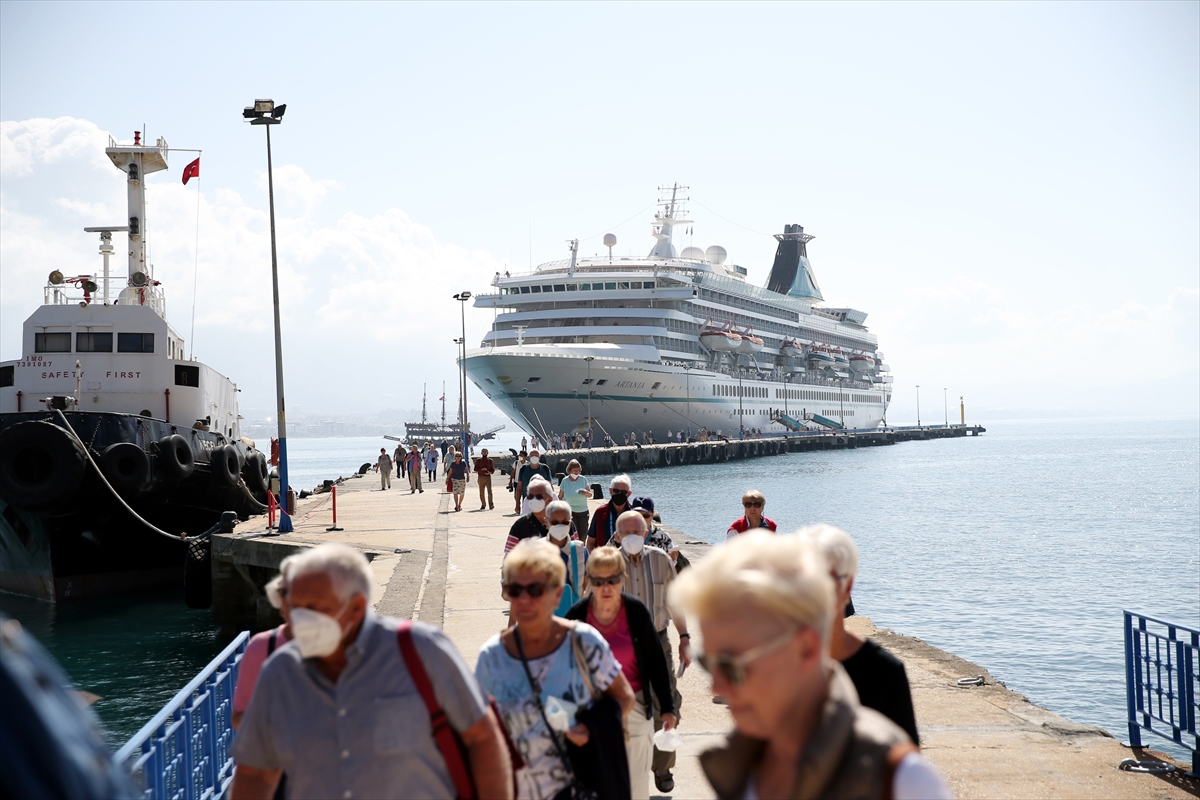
(1162, 682)
(183, 752)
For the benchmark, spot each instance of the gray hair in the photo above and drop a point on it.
(537, 482)
(558, 505)
(836, 545)
(347, 568)
(622, 478)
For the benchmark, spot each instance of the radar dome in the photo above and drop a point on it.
(610, 240)
(692, 254)
(716, 255)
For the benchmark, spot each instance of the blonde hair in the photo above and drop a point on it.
(754, 494)
(277, 585)
(836, 545)
(535, 555)
(606, 559)
(785, 577)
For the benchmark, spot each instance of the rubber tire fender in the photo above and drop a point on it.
(126, 466)
(256, 472)
(667, 455)
(40, 464)
(175, 457)
(225, 464)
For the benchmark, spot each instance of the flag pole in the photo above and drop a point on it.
(195, 276)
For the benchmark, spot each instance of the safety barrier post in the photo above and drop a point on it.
(333, 491)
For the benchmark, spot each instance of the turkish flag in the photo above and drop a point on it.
(192, 170)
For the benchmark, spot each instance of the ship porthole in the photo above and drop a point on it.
(145, 412)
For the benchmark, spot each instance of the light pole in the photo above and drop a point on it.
(741, 411)
(918, 405)
(946, 406)
(589, 360)
(462, 298)
(841, 404)
(266, 113)
(687, 376)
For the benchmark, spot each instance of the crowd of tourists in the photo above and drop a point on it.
(578, 696)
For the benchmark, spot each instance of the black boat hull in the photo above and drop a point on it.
(65, 535)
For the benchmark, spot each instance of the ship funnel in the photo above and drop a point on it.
(792, 274)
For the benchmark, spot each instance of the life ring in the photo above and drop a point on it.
(256, 472)
(40, 464)
(667, 455)
(175, 457)
(126, 466)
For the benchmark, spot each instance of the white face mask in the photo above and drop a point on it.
(631, 543)
(316, 634)
(534, 460)
(537, 505)
(559, 533)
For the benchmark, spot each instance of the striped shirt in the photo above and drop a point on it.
(647, 577)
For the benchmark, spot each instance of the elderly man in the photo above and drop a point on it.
(534, 468)
(649, 572)
(413, 462)
(533, 523)
(604, 521)
(484, 469)
(337, 710)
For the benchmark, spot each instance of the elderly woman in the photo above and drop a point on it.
(574, 489)
(753, 502)
(574, 554)
(457, 470)
(533, 669)
(764, 605)
(628, 627)
(878, 676)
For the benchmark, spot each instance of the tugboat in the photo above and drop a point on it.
(115, 449)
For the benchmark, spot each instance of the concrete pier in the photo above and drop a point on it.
(442, 567)
(607, 460)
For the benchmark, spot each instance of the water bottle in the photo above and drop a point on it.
(556, 715)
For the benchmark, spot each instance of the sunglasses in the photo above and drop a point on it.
(752, 504)
(536, 496)
(733, 668)
(611, 580)
(514, 590)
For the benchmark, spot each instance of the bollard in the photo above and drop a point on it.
(333, 491)
(270, 510)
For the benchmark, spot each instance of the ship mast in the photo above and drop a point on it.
(424, 388)
(671, 213)
(138, 161)
(443, 404)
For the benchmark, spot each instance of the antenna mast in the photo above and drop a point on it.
(424, 388)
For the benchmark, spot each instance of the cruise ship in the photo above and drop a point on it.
(676, 341)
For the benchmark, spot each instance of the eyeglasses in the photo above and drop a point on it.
(514, 590)
(611, 580)
(536, 496)
(753, 504)
(733, 668)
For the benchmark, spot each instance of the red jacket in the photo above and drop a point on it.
(742, 525)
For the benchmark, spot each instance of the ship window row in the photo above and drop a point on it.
(733, 390)
(812, 394)
(547, 288)
(676, 345)
(600, 382)
(93, 342)
(749, 305)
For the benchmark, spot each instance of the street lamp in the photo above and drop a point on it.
(918, 405)
(266, 113)
(946, 406)
(589, 360)
(462, 298)
(687, 372)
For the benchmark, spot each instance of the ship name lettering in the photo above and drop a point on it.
(630, 384)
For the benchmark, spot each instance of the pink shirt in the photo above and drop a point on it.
(252, 663)
(620, 641)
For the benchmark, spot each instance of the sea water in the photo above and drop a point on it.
(1017, 550)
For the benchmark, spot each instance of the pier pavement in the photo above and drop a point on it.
(987, 740)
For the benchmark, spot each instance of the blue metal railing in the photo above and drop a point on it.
(183, 753)
(1162, 682)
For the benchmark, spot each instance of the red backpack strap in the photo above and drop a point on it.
(445, 736)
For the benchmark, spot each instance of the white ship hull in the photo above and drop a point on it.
(641, 397)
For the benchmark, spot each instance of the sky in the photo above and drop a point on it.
(1010, 190)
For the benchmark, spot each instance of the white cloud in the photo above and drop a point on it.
(366, 301)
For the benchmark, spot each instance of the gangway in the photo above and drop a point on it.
(828, 423)
(791, 424)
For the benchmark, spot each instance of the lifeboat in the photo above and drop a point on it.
(861, 362)
(791, 348)
(720, 341)
(749, 344)
(839, 358)
(820, 356)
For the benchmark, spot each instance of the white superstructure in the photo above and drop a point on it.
(675, 341)
(110, 349)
